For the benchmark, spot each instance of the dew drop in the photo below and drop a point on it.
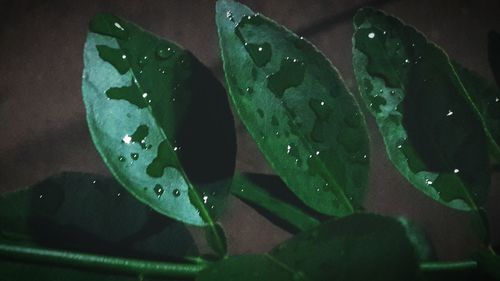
(371, 35)
(249, 90)
(134, 156)
(158, 189)
(450, 113)
(176, 192)
(456, 171)
(109, 25)
(143, 61)
(121, 159)
(164, 52)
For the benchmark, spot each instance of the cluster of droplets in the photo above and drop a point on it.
(159, 190)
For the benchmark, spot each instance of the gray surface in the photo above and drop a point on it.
(42, 115)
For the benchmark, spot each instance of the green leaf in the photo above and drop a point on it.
(494, 54)
(85, 212)
(485, 100)
(159, 119)
(357, 247)
(297, 109)
(489, 264)
(271, 198)
(431, 133)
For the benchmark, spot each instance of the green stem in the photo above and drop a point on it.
(90, 261)
(448, 266)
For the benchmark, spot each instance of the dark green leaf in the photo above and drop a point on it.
(494, 54)
(485, 99)
(297, 108)
(431, 133)
(159, 119)
(489, 264)
(358, 247)
(90, 213)
(271, 198)
(216, 238)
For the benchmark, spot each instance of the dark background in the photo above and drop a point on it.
(42, 117)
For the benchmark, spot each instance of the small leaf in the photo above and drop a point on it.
(272, 199)
(85, 212)
(159, 119)
(485, 99)
(431, 133)
(358, 247)
(494, 54)
(297, 108)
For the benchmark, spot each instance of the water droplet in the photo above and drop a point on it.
(320, 109)
(94, 181)
(158, 189)
(450, 113)
(118, 194)
(134, 156)
(176, 192)
(205, 199)
(121, 159)
(143, 61)
(288, 148)
(109, 25)
(497, 99)
(249, 90)
(407, 61)
(164, 52)
(115, 57)
(371, 35)
(456, 171)
(126, 139)
(290, 74)
(41, 196)
(428, 182)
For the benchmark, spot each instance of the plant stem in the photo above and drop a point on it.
(90, 261)
(448, 266)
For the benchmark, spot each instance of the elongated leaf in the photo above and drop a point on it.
(271, 198)
(358, 247)
(494, 54)
(90, 213)
(296, 107)
(159, 119)
(431, 133)
(485, 99)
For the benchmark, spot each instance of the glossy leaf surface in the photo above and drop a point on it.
(485, 98)
(90, 213)
(296, 107)
(272, 199)
(159, 119)
(431, 133)
(358, 247)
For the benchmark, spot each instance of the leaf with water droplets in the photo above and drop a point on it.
(431, 133)
(86, 212)
(296, 110)
(354, 248)
(159, 119)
